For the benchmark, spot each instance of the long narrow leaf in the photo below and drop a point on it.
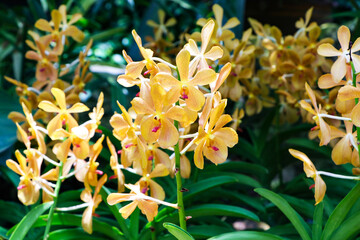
(317, 221)
(27, 222)
(299, 223)
(178, 232)
(340, 212)
(246, 235)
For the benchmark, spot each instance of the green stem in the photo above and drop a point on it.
(52, 209)
(356, 102)
(153, 230)
(180, 200)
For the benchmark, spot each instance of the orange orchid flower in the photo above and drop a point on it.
(147, 204)
(200, 57)
(93, 201)
(214, 139)
(345, 54)
(63, 117)
(310, 170)
(158, 111)
(146, 182)
(186, 88)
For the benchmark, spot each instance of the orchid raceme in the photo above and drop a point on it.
(147, 205)
(63, 117)
(310, 170)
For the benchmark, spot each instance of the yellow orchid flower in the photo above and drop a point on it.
(214, 139)
(93, 201)
(98, 111)
(157, 125)
(146, 182)
(186, 88)
(63, 117)
(147, 204)
(91, 177)
(200, 57)
(349, 93)
(122, 124)
(310, 170)
(345, 54)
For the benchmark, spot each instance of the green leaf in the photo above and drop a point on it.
(107, 34)
(65, 219)
(240, 178)
(27, 222)
(11, 212)
(246, 235)
(299, 223)
(348, 229)
(206, 231)
(309, 144)
(317, 221)
(300, 205)
(340, 212)
(237, 166)
(219, 210)
(178, 232)
(72, 234)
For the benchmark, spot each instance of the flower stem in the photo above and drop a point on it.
(52, 209)
(356, 102)
(153, 230)
(179, 184)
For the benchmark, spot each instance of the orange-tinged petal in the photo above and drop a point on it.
(115, 198)
(29, 194)
(232, 22)
(216, 113)
(228, 135)
(198, 154)
(182, 62)
(149, 208)
(158, 95)
(59, 134)
(75, 33)
(311, 95)
(127, 210)
(325, 131)
(305, 105)
(338, 69)
(127, 81)
(61, 150)
(156, 191)
(153, 24)
(169, 135)
(217, 152)
(78, 108)
(134, 69)
(56, 18)
(320, 189)
(222, 121)
(309, 167)
(203, 77)
(356, 61)
(328, 50)
(326, 81)
(344, 37)
(59, 96)
(176, 113)
(43, 25)
(218, 12)
(355, 115)
(150, 128)
(159, 171)
(348, 92)
(141, 107)
(48, 106)
(206, 33)
(195, 99)
(192, 48)
(224, 73)
(214, 53)
(166, 80)
(185, 167)
(81, 150)
(342, 152)
(14, 166)
(86, 221)
(54, 124)
(356, 46)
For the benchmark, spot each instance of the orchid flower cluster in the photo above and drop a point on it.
(338, 128)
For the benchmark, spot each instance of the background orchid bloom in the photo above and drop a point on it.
(310, 171)
(345, 54)
(161, 27)
(348, 93)
(63, 116)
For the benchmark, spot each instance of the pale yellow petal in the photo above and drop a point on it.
(328, 50)
(344, 37)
